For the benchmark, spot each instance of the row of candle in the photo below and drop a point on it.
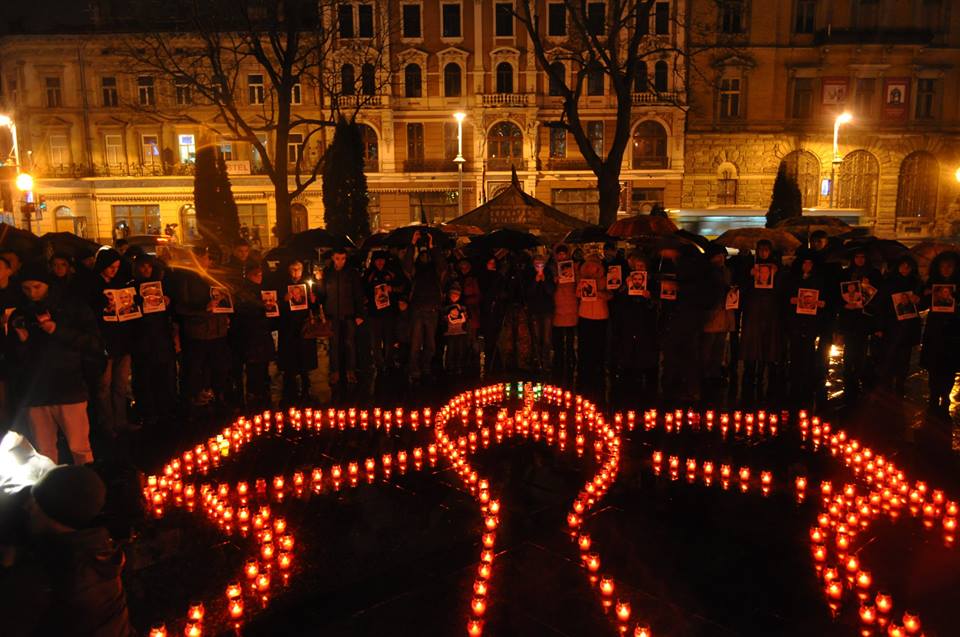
(707, 469)
(749, 424)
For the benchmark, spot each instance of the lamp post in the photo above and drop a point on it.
(842, 118)
(24, 181)
(459, 160)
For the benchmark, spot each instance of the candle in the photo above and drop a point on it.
(158, 630)
(834, 590)
(195, 612)
(884, 602)
(606, 586)
(479, 606)
(593, 562)
(642, 630)
(584, 542)
(284, 560)
(479, 587)
(236, 608)
(263, 582)
(234, 590)
(251, 569)
(192, 629)
(474, 628)
(623, 611)
(868, 614)
(911, 623)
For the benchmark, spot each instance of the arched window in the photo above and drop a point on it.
(649, 145)
(504, 78)
(556, 86)
(728, 184)
(412, 81)
(371, 151)
(918, 184)
(368, 79)
(640, 82)
(299, 219)
(857, 182)
(452, 80)
(505, 144)
(660, 76)
(188, 224)
(804, 167)
(595, 80)
(348, 80)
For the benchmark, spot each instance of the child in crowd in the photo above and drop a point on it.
(456, 337)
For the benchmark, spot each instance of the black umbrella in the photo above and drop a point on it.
(588, 234)
(878, 251)
(505, 238)
(68, 243)
(402, 237)
(376, 240)
(23, 242)
(317, 239)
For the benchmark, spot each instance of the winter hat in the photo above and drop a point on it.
(455, 287)
(105, 258)
(71, 495)
(36, 272)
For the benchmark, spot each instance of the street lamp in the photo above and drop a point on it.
(24, 182)
(842, 118)
(459, 160)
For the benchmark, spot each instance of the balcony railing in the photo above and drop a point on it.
(431, 166)
(658, 97)
(505, 99)
(353, 101)
(874, 36)
(650, 162)
(505, 163)
(567, 164)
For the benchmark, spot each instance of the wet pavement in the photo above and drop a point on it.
(399, 556)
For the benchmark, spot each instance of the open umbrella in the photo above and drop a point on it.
(68, 243)
(403, 237)
(317, 239)
(504, 238)
(461, 229)
(927, 251)
(588, 234)
(675, 241)
(878, 251)
(23, 242)
(376, 240)
(745, 239)
(803, 227)
(642, 225)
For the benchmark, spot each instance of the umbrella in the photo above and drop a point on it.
(376, 240)
(23, 242)
(642, 225)
(675, 241)
(878, 250)
(927, 251)
(802, 223)
(693, 237)
(588, 234)
(745, 239)
(309, 241)
(505, 238)
(402, 237)
(461, 229)
(68, 243)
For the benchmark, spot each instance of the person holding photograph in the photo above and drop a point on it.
(154, 352)
(855, 325)
(455, 336)
(296, 355)
(426, 268)
(251, 341)
(940, 350)
(341, 294)
(803, 327)
(718, 323)
(594, 317)
(898, 322)
(382, 285)
(565, 314)
(762, 334)
(539, 287)
(635, 348)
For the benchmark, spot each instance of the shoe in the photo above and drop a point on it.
(352, 378)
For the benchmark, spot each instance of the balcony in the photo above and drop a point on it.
(431, 166)
(577, 163)
(505, 164)
(658, 97)
(361, 101)
(873, 36)
(506, 99)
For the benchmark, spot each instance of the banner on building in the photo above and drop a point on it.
(896, 97)
(835, 90)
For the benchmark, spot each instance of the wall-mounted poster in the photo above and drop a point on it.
(834, 90)
(896, 97)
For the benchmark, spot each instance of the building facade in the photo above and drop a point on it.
(108, 146)
(778, 77)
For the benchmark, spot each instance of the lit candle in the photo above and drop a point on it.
(911, 623)
(234, 590)
(868, 614)
(479, 606)
(606, 586)
(623, 611)
(192, 629)
(158, 630)
(251, 569)
(884, 603)
(236, 608)
(642, 630)
(195, 612)
(474, 628)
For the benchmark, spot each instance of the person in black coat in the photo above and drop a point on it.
(297, 356)
(10, 297)
(940, 353)
(636, 352)
(829, 274)
(856, 320)
(153, 347)
(251, 339)
(383, 286)
(761, 337)
(539, 285)
(899, 323)
(803, 290)
(341, 294)
(426, 267)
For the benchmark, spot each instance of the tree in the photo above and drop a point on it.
(787, 200)
(345, 196)
(606, 41)
(212, 50)
(217, 218)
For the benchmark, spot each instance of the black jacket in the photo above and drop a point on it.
(341, 293)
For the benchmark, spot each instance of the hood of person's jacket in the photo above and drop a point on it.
(592, 268)
(105, 257)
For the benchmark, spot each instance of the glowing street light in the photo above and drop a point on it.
(24, 182)
(459, 160)
(842, 118)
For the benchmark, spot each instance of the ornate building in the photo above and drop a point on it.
(108, 146)
(778, 78)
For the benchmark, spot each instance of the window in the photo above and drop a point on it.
(113, 150)
(503, 19)
(640, 84)
(226, 151)
(917, 189)
(596, 18)
(412, 81)
(371, 150)
(731, 16)
(348, 80)
(727, 184)
(926, 98)
(452, 80)
(661, 73)
(450, 140)
(150, 145)
(866, 97)
(365, 20)
(866, 14)
(595, 80)
(642, 200)
(253, 216)
(661, 18)
(557, 20)
(504, 78)
(558, 143)
(582, 203)
(434, 206)
(255, 89)
(558, 70)
(411, 21)
(802, 98)
(184, 95)
(145, 93)
(505, 142)
(805, 13)
(345, 21)
(450, 15)
(368, 79)
(649, 145)
(188, 148)
(296, 94)
(108, 91)
(294, 148)
(256, 160)
(415, 142)
(804, 168)
(730, 98)
(59, 151)
(12, 89)
(857, 182)
(140, 219)
(54, 94)
(595, 135)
